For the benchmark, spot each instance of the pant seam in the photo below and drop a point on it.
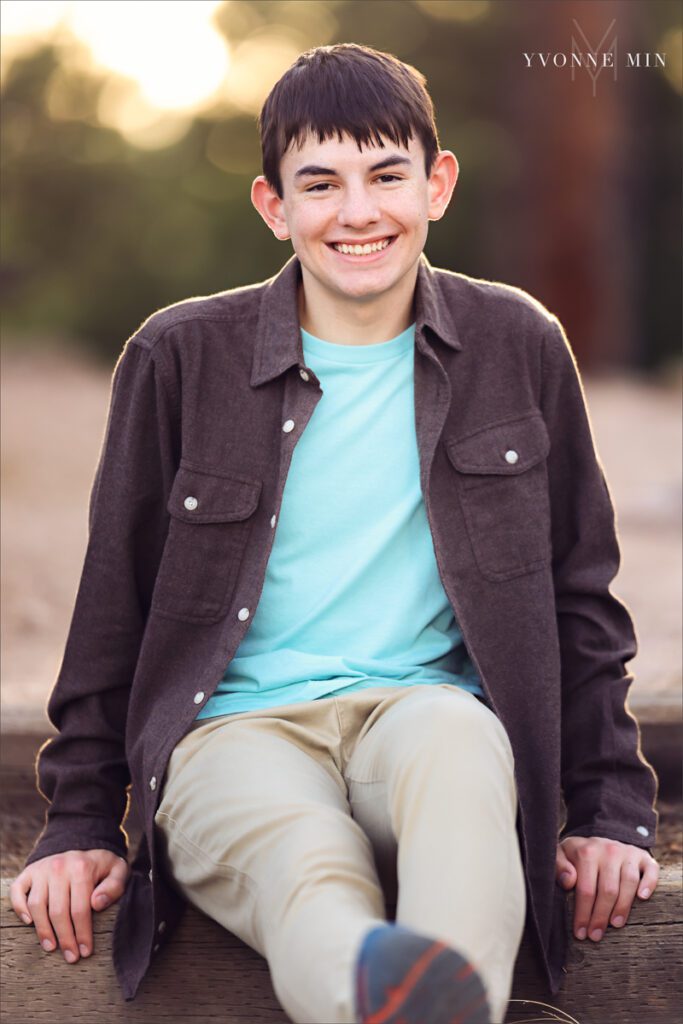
(193, 849)
(501, 962)
(340, 726)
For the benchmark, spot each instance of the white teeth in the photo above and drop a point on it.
(361, 250)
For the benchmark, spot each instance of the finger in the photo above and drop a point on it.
(565, 873)
(37, 905)
(112, 886)
(650, 878)
(586, 883)
(609, 876)
(17, 894)
(629, 879)
(81, 912)
(59, 900)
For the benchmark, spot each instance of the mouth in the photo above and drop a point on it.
(362, 252)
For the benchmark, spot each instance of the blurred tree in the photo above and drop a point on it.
(572, 197)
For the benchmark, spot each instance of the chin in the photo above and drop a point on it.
(366, 284)
(363, 291)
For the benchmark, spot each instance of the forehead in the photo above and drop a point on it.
(344, 154)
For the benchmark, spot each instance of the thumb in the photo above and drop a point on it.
(565, 872)
(110, 888)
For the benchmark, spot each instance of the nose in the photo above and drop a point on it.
(358, 207)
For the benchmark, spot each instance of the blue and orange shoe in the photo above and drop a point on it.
(403, 977)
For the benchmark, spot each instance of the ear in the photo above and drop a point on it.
(441, 183)
(270, 206)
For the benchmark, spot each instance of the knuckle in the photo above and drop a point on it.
(587, 852)
(80, 868)
(59, 919)
(630, 873)
(611, 890)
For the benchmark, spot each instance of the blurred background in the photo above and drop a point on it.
(129, 144)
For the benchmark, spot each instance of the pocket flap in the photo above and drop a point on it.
(505, 449)
(201, 496)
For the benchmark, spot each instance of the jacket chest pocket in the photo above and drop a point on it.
(212, 516)
(503, 491)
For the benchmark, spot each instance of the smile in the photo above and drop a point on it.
(362, 250)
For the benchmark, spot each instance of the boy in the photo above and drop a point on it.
(345, 620)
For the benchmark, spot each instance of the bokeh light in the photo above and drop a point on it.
(167, 60)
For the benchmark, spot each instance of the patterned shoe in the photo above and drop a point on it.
(406, 978)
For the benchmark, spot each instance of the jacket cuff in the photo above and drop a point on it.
(66, 832)
(618, 832)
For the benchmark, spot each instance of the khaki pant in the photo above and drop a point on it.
(291, 827)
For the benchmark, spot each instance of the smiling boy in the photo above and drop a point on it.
(345, 618)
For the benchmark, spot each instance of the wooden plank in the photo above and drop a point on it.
(661, 731)
(206, 974)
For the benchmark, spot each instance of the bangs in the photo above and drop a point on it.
(346, 91)
(341, 109)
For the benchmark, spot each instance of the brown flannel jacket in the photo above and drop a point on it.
(526, 551)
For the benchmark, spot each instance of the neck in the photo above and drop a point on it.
(367, 321)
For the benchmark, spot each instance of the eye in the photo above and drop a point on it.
(390, 177)
(321, 185)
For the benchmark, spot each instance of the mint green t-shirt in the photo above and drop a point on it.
(352, 596)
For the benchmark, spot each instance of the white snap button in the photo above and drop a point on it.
(511, 456)
(151, 875)
(304, 375)
(288, 425)
(243, 614)
(199, 697)
(272, 521)
(153, 782)
(190, 503)
(643, 831)
(162, 926)
(156, 948)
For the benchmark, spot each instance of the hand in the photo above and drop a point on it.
(607, 875)
(63, 889)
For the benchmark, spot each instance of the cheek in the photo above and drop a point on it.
(408, 209)
(309, 223)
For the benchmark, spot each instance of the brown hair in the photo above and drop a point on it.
(346, 89)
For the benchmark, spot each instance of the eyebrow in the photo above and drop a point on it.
(309, 170)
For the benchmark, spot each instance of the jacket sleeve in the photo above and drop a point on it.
(83, 772)
(609, 789)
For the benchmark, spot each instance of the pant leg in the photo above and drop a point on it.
(257, 832)
(431, 781)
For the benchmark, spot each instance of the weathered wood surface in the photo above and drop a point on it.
(205, 974)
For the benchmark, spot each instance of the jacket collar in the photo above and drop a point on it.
(278, 341)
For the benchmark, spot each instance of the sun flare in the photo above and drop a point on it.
(172, 51)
